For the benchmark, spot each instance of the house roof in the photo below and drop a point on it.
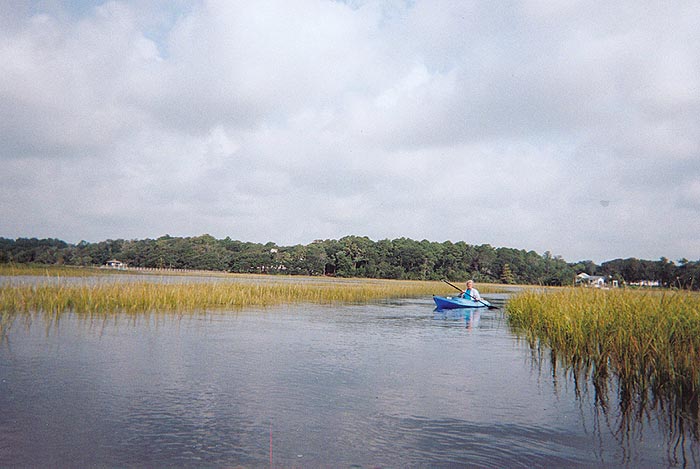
(590, 278)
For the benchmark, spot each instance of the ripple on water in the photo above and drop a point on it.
(366, 385)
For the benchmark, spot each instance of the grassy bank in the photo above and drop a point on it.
(649, 340)
(228, 291)
(146, 296)
(50, 271)
(42, 270)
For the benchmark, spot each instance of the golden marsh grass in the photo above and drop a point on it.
(148, 296)
(225, 292)
(649, 339)
(47, 271)
(41, 270)
(243, 290)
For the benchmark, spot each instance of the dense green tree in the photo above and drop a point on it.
(350, 256)
(665, 271)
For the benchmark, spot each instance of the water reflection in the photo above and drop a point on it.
(470, 316)
(626, 407)
(388, 384)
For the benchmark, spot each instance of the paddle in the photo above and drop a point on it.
(455, 286)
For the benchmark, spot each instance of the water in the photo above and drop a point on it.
(382, 385)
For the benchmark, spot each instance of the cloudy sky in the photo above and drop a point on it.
(564, 126)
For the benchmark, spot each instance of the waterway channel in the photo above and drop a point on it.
(389, 384)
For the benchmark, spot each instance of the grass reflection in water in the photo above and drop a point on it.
(642, 346)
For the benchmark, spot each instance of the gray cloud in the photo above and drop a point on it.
(289, 121)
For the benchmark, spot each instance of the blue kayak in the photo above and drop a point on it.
(454, 302)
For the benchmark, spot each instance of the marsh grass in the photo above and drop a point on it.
(643, 335)
(148, 296)
(648, 341)
(41, 270)
(93, 300)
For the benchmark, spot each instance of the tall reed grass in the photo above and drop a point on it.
(225, 292)
(148, 296)
(649, 340)
(12, 269)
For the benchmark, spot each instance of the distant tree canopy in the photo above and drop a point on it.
(351, 256)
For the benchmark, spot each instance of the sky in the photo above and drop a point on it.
(564, 126)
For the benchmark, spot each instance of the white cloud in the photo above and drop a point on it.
(295, 120)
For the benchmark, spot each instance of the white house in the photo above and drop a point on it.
(115, 264)
(597, 281)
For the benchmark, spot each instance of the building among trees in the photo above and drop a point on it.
(115, 264)
(597, 281)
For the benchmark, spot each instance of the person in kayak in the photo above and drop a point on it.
(471, 292)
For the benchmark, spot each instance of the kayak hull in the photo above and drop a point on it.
(451, 302)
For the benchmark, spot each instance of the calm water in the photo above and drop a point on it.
(382, 385)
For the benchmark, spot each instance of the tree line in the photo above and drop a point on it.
(350, 256)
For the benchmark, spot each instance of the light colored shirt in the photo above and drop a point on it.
(472, 294)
